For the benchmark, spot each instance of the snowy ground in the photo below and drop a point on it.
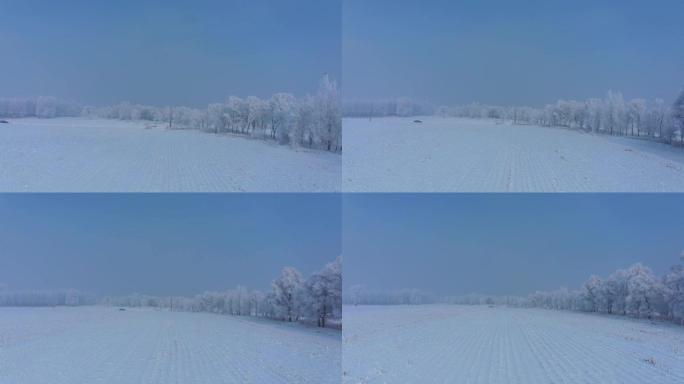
(88, 345)
(477, 344)
(85, 155)
(467, 155)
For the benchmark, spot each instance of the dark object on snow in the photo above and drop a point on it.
(122, 309)
(417, 121)
(4, 122)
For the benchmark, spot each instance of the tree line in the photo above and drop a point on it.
(316, 299)
(311, 122)
(401, 107)
(360, 295)
(611, 115)
(44, 107)
(44, 298)
(635, 291)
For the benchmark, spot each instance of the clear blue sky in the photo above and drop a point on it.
(163, 243)
(512, 52)
(167, 52)
(505, 243)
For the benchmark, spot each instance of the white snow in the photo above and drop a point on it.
(86, 345)
(468, 155)
(478, 344)
(92, 155)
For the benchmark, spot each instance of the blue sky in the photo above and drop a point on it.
(163, 243)
(512, 52)
(167, 52)
(505, 243)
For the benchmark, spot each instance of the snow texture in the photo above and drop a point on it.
(80, 345)
(479, 344)
(467, 155)
(93, 155)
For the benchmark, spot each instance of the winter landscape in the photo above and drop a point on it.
(559, 294)
(617, 330)
(449, 154)
(281, 323)
(75, 154)
(172, 99)
(216, 337)
(467, 100)
(501, 344)
(92, 344)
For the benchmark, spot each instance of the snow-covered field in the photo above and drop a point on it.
(467, 155)
(478, 344)
(88, 155)
(87, 345)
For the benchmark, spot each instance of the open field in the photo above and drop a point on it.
(465, 155)
(478, 344)
(89, 155)
(86, 345)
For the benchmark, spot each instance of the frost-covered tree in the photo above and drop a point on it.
(282, 115)
(644, 291)
(324, 292)
(678, 113)
(285, 290)
(616, 291)
(656, 118)
(329, 112)
(217, 118)
(304, 125)
(636, 111)
(673, 283)
(257, 115)
(592, 292)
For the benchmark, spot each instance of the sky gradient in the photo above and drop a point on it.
(175, 52)
(505, 243)
(512, 52)
(162, 244)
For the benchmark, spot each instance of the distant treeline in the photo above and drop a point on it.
(402, 107)
(635, 292)
(44, 298)
(311, 122)
(316, 299)
(45, 107)
(360, 295)
(611, 115)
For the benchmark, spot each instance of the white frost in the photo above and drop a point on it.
(83, 155)
(479, 344)
(466, 155)
(65, 345)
